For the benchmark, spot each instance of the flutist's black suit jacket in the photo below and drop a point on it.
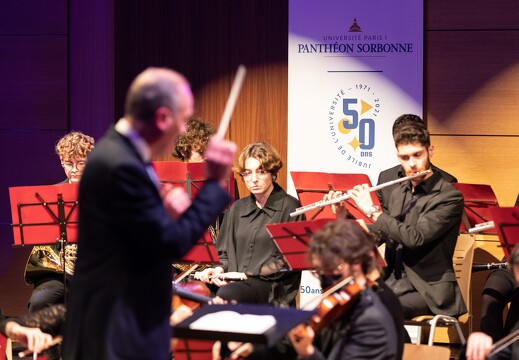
(428, 239)
(120, 298)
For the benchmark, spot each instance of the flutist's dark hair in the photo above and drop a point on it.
(407, 119)
(411, 133)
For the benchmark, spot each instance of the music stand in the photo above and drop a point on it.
(479, 199)
(311, 187)
(506, 220)
(292, 240)
(45, 215)
(286, 319)
(192, 176)
(190, 349)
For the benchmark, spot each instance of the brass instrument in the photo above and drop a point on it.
(48, 258)
(323, 203)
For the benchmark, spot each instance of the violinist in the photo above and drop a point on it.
(342, 249)
(479, 344)
(363, 327)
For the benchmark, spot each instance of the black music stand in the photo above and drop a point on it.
(286, 319)
(506, 221)
(292, 240)
(311, 187)
(45, 215)
(479, 199)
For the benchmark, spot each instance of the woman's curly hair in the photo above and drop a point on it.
(195, 138)
(74, 145)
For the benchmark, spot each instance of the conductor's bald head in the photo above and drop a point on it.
(158, 104)
(152, 89)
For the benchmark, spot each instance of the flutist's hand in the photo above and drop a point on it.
(338, 209)
(219, 157)
(207, 274)
(362, 197)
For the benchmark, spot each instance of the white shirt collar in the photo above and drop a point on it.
(124, 127)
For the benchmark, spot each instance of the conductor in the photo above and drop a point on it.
(131, 230)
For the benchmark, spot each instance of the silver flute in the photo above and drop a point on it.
(323, 203)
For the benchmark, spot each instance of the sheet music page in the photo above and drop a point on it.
(231, 321)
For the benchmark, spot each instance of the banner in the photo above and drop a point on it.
(353, 68)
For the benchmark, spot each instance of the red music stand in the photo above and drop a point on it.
(192, 176)
(479, 200)
(311, 187)
(292, 240)
(189, 349)
(506, 220)
(43, 215)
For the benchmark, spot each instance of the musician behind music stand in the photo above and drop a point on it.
(45, 215)
(292, 240)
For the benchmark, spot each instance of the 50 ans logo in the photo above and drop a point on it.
(352, 118)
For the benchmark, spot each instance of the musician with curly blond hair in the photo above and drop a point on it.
(44, 267)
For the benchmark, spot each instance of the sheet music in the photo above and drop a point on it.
(231, 321)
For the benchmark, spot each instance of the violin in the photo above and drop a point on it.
(191, 293)
(336, 300)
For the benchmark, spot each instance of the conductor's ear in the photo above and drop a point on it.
(163, 118)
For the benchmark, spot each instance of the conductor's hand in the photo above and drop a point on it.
(338, 209)
(362, 197)
(219, 156)
(176, 201)
(207, 274)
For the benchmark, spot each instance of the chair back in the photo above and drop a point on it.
(425, 352)
(462, 262)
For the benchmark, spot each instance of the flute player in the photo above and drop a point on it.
(420, 227)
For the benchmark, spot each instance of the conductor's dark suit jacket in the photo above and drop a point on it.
(120, 297)
(428, 240)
